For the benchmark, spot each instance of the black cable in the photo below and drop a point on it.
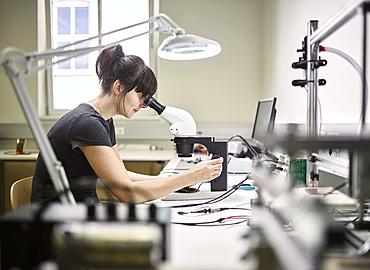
(212, 223)
(331, 214)
(211, 211)
(336, 188)
(198, 188)
(217, 199)
(250, 148)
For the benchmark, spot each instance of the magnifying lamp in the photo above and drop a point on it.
(17, 65)
(187, 47)
(182, 46)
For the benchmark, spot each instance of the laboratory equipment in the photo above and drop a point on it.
(183, 127)
(113, 235)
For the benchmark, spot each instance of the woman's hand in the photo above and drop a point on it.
(207, 170)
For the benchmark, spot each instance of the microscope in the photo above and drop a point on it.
(183, 127)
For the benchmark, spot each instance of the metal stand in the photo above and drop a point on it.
(54, 167)
(312, 85)
(359, 176)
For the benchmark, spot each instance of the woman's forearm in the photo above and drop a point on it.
(141, 177)
(152, 189)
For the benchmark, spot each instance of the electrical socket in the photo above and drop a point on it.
(120, 130)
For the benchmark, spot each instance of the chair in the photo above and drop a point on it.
(20, 192)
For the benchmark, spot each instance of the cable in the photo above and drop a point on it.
(209, 210)
(336, 188)
(198, 188)
(217, 199)
(358, 68)
(217, 222)
(320, 127)
(250, 148)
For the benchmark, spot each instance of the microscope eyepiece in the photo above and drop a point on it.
(151, 102)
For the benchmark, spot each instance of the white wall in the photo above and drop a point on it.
(17, 29)
(225, 88)
(285, 24)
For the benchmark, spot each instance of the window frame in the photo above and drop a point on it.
(45, 84)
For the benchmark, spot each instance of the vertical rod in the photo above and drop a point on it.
(312, 83)
(364, 69)
(100, 10)
(361, 176)
(311, 74)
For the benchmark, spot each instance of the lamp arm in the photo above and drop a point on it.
(53, 166)
(160, 23)
(167, 25)
(77, 52)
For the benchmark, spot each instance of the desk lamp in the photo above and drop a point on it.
(17, 65)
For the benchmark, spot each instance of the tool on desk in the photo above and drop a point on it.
(187, 190)
(20, 146)
(247, 188)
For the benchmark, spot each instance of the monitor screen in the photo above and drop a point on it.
(265, 119)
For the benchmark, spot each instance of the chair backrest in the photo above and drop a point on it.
(20, 192)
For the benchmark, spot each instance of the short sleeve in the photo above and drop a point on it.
(88, 130)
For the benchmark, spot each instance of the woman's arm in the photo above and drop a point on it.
(133, 175)
(112, 172)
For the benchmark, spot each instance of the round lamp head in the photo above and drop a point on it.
(188, 47)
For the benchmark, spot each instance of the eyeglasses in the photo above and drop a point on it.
(142, 100)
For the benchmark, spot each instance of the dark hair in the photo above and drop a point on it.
(113, 64)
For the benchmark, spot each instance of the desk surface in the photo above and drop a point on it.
(127, 155)
(199, 247)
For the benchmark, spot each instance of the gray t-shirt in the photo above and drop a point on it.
(83, 126)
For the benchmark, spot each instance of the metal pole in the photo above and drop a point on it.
(54, 167)
(312, 83)
(364, 70)
(339, 19)
(361, 158)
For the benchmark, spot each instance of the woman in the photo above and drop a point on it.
(84, 139)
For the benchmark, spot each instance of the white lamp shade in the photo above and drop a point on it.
(188, 47)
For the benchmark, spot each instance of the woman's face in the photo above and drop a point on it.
(132, 103)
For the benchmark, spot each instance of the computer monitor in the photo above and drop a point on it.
(264, 120)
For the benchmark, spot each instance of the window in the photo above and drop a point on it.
(74, 81)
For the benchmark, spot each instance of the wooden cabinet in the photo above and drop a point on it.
(145, 167)
(11, 171)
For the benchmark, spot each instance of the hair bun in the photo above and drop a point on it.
(119, 52)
